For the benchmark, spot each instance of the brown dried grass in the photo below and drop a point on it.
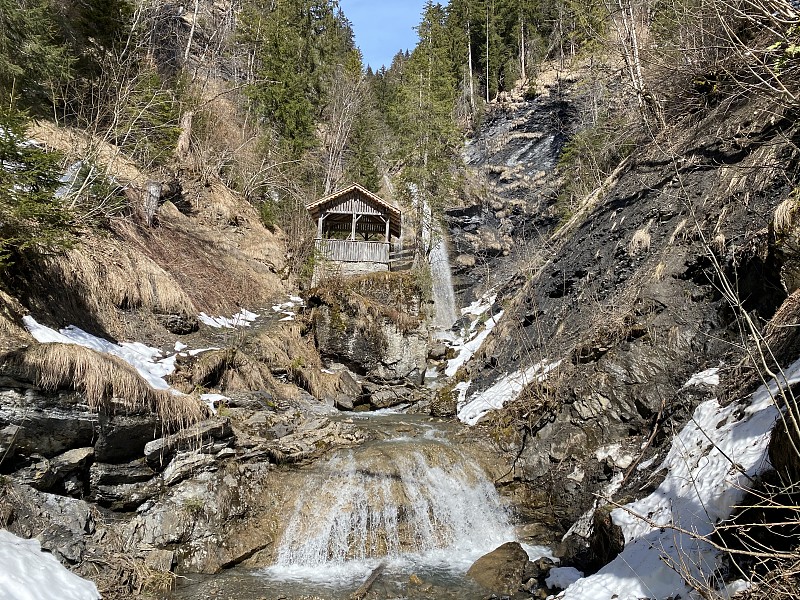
(108, 383)
(785, 214)
(222, 257)
(110, 274)
(12, 333)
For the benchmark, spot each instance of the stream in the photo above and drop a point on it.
(411, 498)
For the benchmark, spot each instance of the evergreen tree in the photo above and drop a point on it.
(32, 217)
(33, 64)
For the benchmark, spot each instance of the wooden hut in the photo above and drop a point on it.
(355, 229)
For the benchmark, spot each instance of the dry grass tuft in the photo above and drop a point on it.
(718, 243)
(784, 218)
(114, 275)
(107, 382)
(658, 273)
(678, 231)
(394, 296)
(12, 333)
(640, 242)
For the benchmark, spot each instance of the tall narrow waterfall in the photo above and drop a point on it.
(380, 502)
(444, 298)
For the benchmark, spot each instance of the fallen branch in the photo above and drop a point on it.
(361, 592)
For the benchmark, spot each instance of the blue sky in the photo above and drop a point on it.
(383, 27)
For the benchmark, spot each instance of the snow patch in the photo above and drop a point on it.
(241, 319)
(507, 388)
(27, 573)
(212, 401)
(147, 361)
(562, 577)
(467, 350)
(702, 486)
(707, 377)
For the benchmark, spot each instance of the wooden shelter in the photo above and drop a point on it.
(355, 228)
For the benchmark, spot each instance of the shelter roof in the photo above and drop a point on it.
(318, 207)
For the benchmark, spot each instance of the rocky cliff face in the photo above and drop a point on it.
(629, 293)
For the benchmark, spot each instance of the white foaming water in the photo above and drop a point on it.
(411, 507)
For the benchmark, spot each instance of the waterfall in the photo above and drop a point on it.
(444, 298)
(385, 502)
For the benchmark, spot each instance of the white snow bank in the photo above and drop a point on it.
(480, 306)
(241, 319)
(213, 400)
(505, 389)
(702, 486)
(27, 573)
(562, 577)
(466, 351)
(707, 377)
(147, 361)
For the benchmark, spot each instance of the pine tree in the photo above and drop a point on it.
(32, 217)
(33, 64)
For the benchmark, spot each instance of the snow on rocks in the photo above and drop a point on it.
(473, 344)
(147, 361)
(707, 377)
(287, 308)
(27, 573)
(241, 319)
(562, 577)
(708, 468)
(506, 388)
(213, 401)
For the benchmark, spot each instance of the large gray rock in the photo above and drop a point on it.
(502, 570)
(123, 437)
(62, 525)
(379, 348)
(386, 397)
(160, 452)
(44, 423)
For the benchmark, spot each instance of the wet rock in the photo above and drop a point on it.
(501, 570)
(388, 397)
(179, 324)
(160, 452)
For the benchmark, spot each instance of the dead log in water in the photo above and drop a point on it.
(362, 591)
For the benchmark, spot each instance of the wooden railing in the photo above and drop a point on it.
(349, 251)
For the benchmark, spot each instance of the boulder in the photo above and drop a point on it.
(45, 423)
(389, 396)
(179, 324)
(502, 570)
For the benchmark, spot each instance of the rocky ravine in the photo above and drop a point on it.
(626, 293)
